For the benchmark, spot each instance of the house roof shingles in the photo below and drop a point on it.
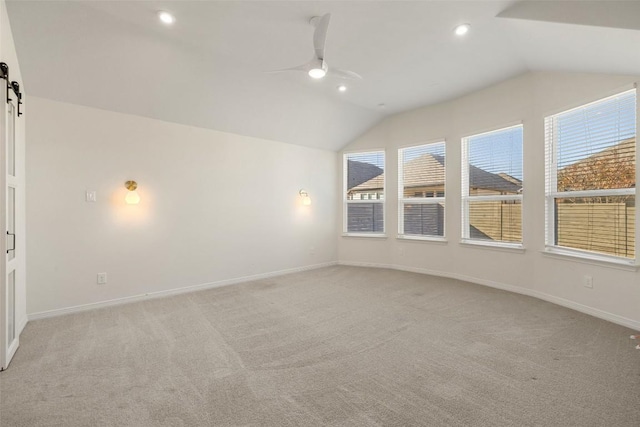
(359, 173)
(428, 170)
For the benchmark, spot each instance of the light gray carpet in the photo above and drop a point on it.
(340, 346)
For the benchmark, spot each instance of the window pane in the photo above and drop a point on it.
(593, 148)
(596, 145)
(365, 175)
(365, 181)
(424, 219)
(423, 171)
(365, 218)
(495, 162)
(613, 167)
(599, 224)
(499, 221)
(494, 169)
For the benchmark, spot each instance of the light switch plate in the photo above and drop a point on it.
(91, 196)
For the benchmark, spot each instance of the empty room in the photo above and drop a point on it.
(309, 213)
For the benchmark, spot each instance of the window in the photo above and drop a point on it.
(364, 192)
(591, 178)
(421, 176)
(492, 187)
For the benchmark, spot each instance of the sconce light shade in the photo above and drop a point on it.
(306, 200)
(132, 197)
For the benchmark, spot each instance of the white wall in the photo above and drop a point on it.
(8, 55)
(527, 99)
(214, 206)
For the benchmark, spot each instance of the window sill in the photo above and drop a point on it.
(499, 246)
(366, 235)
(590, 258)
(422, 238)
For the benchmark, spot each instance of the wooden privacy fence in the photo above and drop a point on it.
(601, 227)
(497, 220)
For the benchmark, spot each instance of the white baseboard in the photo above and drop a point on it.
(613, 318)
(170, 292)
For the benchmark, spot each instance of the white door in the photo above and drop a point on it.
(9, 190)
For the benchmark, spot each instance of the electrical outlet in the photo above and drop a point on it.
(588, 282)
(312, 250)
(102, 278)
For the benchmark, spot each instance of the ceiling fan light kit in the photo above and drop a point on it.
(318, 68)
(317, 73)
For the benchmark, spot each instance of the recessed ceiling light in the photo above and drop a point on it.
(342, 88)
(166, 17)
(462, 29)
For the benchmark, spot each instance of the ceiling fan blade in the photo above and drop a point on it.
(320, 35)
(304, 67)
(345, 74)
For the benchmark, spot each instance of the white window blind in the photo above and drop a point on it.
(364, 192)
(591, 177)
(492, 187)
(421, 190)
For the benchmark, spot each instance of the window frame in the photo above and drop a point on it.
(420, 200)
(551, 181)
(346, 202)
(466, 199)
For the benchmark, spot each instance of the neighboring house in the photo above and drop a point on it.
(365, 181)
(482, 182)
(511, 179)
(424, 177)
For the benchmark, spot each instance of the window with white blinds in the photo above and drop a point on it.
(492, 187)
(364, 192)
(591, 178)
(421, 186)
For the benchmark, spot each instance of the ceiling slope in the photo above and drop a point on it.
(614, 14)
(210, 68)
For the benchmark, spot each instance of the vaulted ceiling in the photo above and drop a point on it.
(210, 68)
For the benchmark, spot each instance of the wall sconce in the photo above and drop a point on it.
(306, 200)
(132, 197)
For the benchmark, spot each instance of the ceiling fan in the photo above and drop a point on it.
(317, 68)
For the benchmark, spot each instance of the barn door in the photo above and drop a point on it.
(10, 190)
